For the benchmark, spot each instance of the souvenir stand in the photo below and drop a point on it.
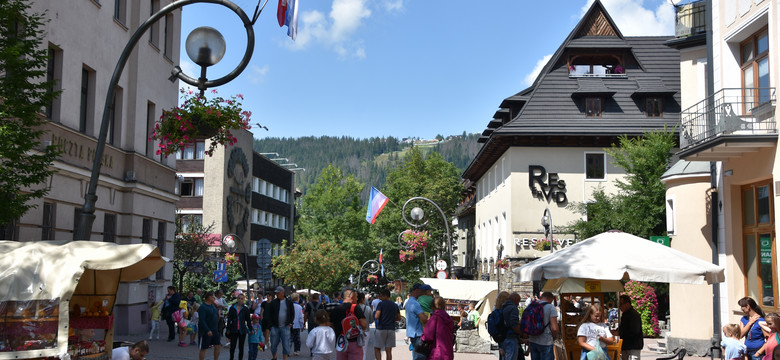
(52, 291)
(463, 292)
(575, 296)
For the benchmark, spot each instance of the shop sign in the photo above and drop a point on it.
(663, 240)
(766, 249)
(77, 150)
(528, 240)
(552, 190)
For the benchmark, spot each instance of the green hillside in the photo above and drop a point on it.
(367, 159)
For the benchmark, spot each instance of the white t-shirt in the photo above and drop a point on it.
(321, 340)
(592, 331)
(121, 353)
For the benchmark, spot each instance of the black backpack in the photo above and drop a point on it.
(496, 326)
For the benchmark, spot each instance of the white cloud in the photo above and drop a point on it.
(529, 79)
(634, 18)
(394, 5)
(336, 31)
(257, 74)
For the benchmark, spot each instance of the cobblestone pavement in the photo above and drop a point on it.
(161, 349)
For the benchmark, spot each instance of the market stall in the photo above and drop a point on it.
(51, 292)
(464, 292)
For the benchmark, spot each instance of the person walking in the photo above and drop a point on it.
(155, 316)
(511, 316)
(386, 314)
(221, 304)
(751, 331)
(238, 323)
(281, 315)
(354, 349)
(297, 325)
(171, 306)
(368, 336)
(415, 319)
(255, 337)
(541, 346)
(208, 336)
(322, 339)
(630, 330)
(439, 329)
(310, 311)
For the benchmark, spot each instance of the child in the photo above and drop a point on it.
(733, 349)
(255, 338)
(155, 311)
(192, 328)
(593, 332)
(180, 318)
(773, 324)
(322, 339)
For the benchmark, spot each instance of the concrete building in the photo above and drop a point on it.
(721, 204)
(240, 192)
(136, 188)
(544, 148)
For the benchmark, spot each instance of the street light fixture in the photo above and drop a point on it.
(208, 45)
(417, 214)
(548, 226)
(230, 243)
(372, 269)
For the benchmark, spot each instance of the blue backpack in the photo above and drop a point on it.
(532, 320)
(495, 325)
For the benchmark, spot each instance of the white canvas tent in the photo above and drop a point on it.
(616, 255)
(483, 292)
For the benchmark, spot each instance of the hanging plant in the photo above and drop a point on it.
(502, 264)
(372, 279)
(231, 258)
(406, 255)
(415, 240)
(200, 118)
(542, 244)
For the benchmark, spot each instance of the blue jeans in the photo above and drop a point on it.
(415, 355)
(253, 351)
(541, 352)
(280, 334)
(510, 348)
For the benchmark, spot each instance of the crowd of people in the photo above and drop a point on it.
(759, 331)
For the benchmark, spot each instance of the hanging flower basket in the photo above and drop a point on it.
(502, 264)
(231, 258)
(542, 245)
(372, 279)
(407, 255)
(415, 240)
(200, 118)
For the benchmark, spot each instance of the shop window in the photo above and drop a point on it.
(593, 106)
(759, 241)
(754, 56)
(595, 166)
(653, 107)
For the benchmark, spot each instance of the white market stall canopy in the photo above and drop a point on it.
(575, 285)
(462, 289)
(616, 255)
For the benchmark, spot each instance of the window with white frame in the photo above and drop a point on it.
(192, 187)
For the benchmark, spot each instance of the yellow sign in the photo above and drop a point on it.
(593, 286)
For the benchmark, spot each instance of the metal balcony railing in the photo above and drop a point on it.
(736, 111)
(690, 19)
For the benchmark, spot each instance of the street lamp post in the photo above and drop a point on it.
(202, 42)
(417, 214)
(230, 243)
(373, 268)
(548, 226)
(500, 249)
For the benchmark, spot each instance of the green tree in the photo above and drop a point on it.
(24, 93)
(431, 177)
(638, 207)
(314, 263)
(189, 247)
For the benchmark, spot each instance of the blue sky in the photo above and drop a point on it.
(403, 68)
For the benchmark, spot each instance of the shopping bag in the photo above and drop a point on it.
(560, 349)
(597, 354)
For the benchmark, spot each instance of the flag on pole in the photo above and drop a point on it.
(380, 255)
(291, 19)
(383, 270)
(281, 12)
(376, 202)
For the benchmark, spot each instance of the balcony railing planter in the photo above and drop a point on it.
(733, 111)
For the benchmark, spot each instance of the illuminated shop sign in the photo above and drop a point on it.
(552, 190)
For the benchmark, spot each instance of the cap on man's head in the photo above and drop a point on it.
(417, 286)
(278, 289)
(425, 287)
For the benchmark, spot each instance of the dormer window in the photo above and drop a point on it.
(593, 106)
(654, 106)
(596, 66)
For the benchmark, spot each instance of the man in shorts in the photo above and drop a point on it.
(386, 314)
(208, 330)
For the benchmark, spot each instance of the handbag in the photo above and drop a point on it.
(423, 347)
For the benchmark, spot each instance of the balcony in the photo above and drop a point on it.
(728, 124)
(690, 19)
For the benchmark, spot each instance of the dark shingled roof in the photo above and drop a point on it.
(552, 111)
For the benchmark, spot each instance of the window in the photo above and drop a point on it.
(670, 225)
(120, 11)
(146, 231)
(115, 117)
(154, 30)
(47, 225)
(653, 107)
(109, 228)
(161, 229)
(754, 56)
(189, 222)
(10, 230)
(593, 106)
(595, 166)
(192, 151)
(86, 102)
(150, 120)
(168, 37)
(53, 77)
(192, 187)
(596, 66)
(759, 236)
(76, 217)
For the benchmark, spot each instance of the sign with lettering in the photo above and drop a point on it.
(528, 240)
(552, 190)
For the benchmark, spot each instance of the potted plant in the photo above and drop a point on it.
(542, 245)
(200, 118)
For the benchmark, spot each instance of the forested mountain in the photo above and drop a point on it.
(367, 159)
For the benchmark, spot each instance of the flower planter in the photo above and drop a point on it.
(204, 130)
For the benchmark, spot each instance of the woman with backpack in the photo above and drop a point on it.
(238, 321)
(439, 331)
